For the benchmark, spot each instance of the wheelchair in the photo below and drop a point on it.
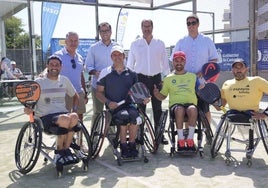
(248, 131)
(30, 143)
(202, 127)
(104, 127)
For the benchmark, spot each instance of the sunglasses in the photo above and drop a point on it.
(73, 64)
(191, 23)
(105, 31)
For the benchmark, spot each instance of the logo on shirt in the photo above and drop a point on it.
(47, 100)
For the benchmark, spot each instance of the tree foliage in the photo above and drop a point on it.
(16, 37)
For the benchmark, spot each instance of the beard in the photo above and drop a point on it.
(179, 67)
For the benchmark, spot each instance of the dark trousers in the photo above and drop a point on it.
(150, 81)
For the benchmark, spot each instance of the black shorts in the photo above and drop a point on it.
(172, 108)
(125, 116)
(50, 126)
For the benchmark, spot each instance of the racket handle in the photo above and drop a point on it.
(121, 102)
(201, 80)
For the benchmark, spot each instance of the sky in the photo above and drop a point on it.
(169, 26)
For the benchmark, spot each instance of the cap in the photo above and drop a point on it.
(13, 63)
(5, 60)
(180, 54)
(239, 60)
(54, 57)
(117, 48)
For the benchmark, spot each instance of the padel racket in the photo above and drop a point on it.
(138, 92)
(28, 93)
(211, 71)
(211, 94)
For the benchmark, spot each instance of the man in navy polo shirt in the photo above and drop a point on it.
(112, 87)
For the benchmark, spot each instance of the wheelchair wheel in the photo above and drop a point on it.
(206, 127)
(98, 133)
(264, 133)
(82, 139)
(219, 137)
(161, 128)
(28, 146)
(148, 134)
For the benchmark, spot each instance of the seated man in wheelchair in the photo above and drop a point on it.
(243, 93)
(113, 85)
(180, 86)
(52, 111)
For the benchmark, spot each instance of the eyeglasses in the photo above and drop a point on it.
(105, 31)
(191, 23)
(73, 64)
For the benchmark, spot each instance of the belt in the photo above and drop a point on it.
(148, 76)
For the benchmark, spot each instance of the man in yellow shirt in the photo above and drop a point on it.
(243, 93)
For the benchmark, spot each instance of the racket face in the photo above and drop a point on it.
(210, 93)
(28, 91)
(211, 72)
(138, 92)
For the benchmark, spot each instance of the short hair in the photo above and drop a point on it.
(104, 24)
(147, 20)
(54, 57)
(71, 33)
(193, 16)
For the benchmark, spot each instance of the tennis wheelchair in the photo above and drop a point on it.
(239, 127)
(105, 127)
(202, 127)
(30, 142)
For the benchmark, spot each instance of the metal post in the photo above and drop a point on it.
(97, 19)
(194, 6)
(253, 5)
(31, 39)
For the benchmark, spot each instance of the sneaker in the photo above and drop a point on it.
(181, 145)
(58, 159)
(69, 156)
(133, 150)
(124, 150)
(190, 145)
(81, 154)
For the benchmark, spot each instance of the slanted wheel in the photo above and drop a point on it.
(206, 126)
(264, 134)
(59, 170)
(219, 137)
(98, 133)
(28, 146)
(148, 134)
(161, 128)
(82, 139)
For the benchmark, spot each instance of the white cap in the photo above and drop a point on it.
(12, 62)
(117, 48)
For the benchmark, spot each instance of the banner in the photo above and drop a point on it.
(230, 51)
(84, 44)
(121, 26)
(50, 13)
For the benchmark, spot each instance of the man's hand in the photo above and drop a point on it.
(28, 110)
(258, 115)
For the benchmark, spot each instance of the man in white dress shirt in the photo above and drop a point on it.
(148, 58)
